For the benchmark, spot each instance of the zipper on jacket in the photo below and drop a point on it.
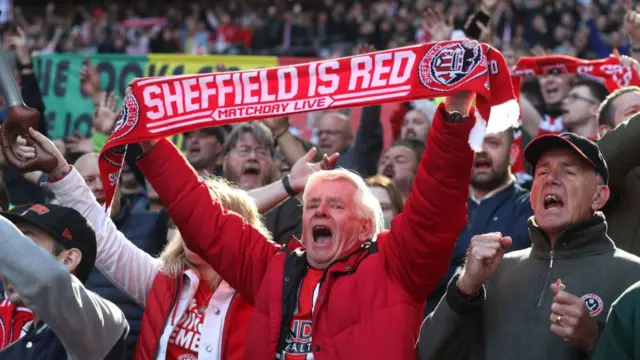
(545, 282)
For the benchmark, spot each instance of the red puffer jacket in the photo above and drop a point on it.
(157, 311)
(370, 304)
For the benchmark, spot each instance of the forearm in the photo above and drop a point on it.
(422, 237)
(87, 325)
(621, 150)
(530, 116)
(124, 264)
(291, 148)
(451, 330)
(369, 142)
(270, 196)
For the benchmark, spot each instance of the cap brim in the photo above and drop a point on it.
(544, 143)
(17, 219)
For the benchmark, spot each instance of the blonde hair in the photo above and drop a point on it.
(174, 257)
(367, 204)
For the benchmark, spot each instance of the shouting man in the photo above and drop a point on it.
(550, 300)
(366, 289)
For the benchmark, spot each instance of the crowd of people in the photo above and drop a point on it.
(316, 28)
(526, 249)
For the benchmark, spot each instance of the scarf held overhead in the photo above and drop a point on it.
(159, 107)
(609, 69)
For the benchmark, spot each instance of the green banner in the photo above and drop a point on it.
(67, 109)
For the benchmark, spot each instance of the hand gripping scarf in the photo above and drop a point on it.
(160, 107)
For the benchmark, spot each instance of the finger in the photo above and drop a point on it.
(483, 254)
(505, 242)
(333, 160)
(26, 152)
(565, 310)
(564, 297)
(20, 31)
(562, 331)
(481, 26)
(21, 141)
(310, 154)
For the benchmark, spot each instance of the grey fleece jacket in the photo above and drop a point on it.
(87, 325)
(511, 319)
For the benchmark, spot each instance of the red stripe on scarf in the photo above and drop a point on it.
(161, 107)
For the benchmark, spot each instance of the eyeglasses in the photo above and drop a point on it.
(574, 97)
(330, 133)
(245, 151)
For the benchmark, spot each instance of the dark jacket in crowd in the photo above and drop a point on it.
(142, 229)
(75, 323)
(621, 149)
(511, 319)
(506, 211)
(285, 221)
(363, 156)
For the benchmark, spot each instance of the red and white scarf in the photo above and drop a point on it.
(12, 321)
(160, 107)
(609, 69)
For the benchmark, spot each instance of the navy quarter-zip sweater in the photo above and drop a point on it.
(506, 211)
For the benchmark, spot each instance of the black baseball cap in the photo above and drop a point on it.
(582, 146)
(65, 225)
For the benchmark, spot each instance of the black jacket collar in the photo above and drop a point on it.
(586, 238)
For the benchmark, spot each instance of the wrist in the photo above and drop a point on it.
(277, 134)
(468, 288)
(290, 186)
(59, 173)
(460, 102)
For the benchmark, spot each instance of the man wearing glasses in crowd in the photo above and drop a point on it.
(580, 108)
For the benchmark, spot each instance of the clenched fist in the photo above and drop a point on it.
(483, 257)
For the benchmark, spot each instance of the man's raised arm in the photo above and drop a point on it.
(422, 237)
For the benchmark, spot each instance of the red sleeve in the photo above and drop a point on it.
(419, 246)
(238, 252)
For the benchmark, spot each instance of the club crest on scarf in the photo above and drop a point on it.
(448, 66)
(128, 119)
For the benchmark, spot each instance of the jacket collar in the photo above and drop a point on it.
(577, 240)
(346, 263)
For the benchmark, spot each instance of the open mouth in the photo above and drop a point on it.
(193, 151)
(552, 202)
(482, 164)
(321, 234)
(388, 172)
(251, 169)
(552, 91)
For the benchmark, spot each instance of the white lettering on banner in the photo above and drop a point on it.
(361, 69)
(275, 92)
(190, 95)
(282, 83)
(380, 69)
(323, 76)
(280, 108)
(250, 87)
(610, 69)
(493, 67)
(205, 90)
(584, 69)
